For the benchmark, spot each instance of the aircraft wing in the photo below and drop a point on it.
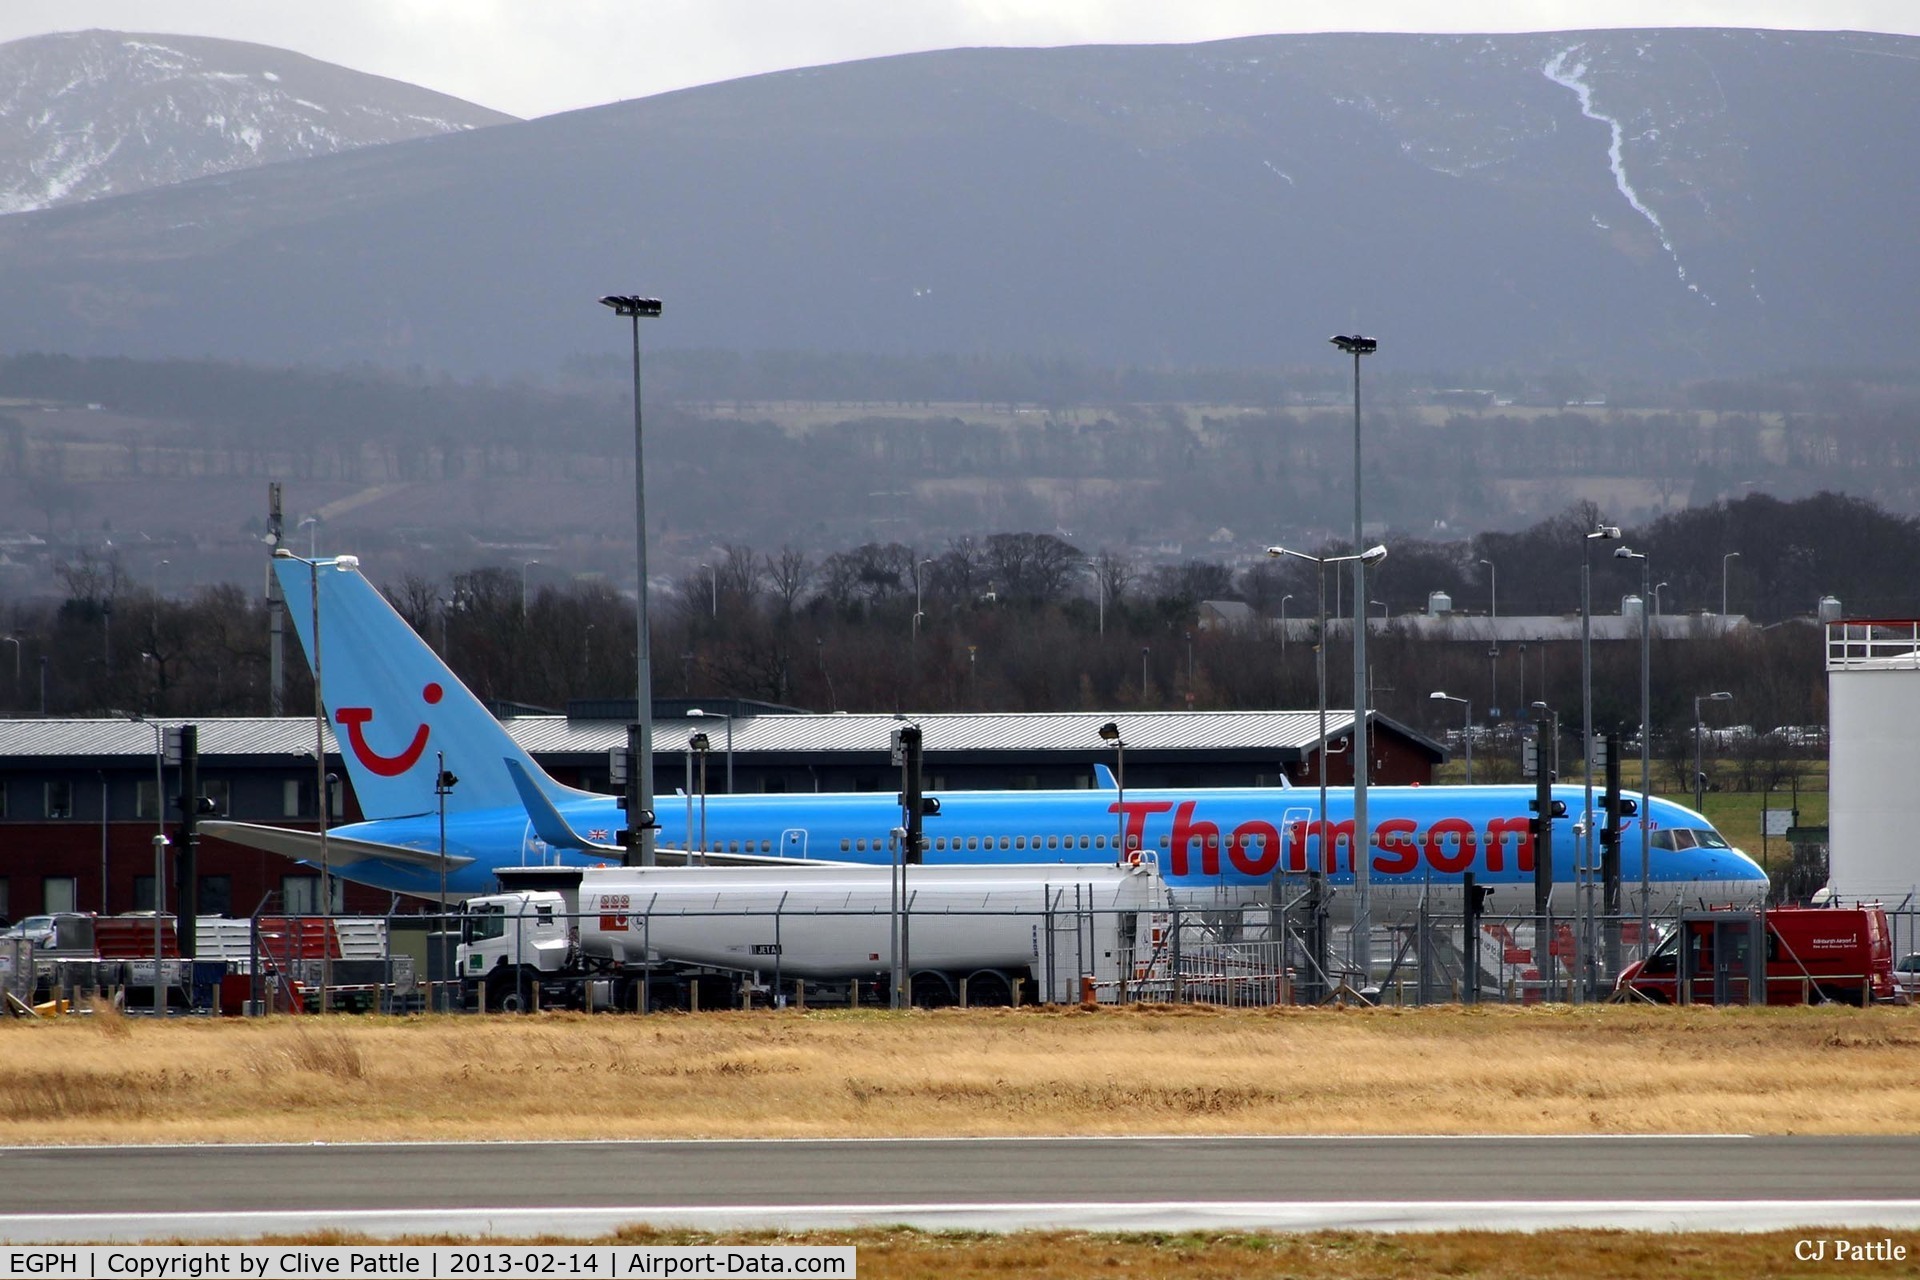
(304, 846)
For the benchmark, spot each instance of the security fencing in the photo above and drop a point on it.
(1254, 955)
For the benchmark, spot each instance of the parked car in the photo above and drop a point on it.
(1906, 973)
(35, 929)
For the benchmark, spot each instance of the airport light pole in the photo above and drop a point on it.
(696, 713)
(699, 745)
(1646, 735)
(1584, 851)
(713, 591)
(1357, 346)
(1493, 590)
(1466, 725)
(321, 791)
(1317, 867)
(640, 778)
(1110, 732)
(443, 782)
(1699, 772)
(1725, 562)
(1658, 587)
(1283, 621)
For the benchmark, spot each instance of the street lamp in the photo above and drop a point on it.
(1658, 587)
(15, 642)
(1725, 561)
(713, 590)
(1384, 614)
(640, 776)
(699, 745)
(524, 566)
(312, 525)
(1646, 733)
(918, 612)
(1283, 620)
(1699, 775)
(321, 791)
(443, 783)
(1357, 346)
(1466, 725)
(1584, 865)
(697, 713)
(1110, 732)
(1144, 651)
(1493, 591)
(1316, 869)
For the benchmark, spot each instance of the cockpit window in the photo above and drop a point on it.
(1711, 839)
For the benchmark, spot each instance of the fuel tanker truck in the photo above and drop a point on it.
(693, 937)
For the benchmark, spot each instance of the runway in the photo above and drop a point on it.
(509, 1189)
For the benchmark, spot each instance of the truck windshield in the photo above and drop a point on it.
(483, 923)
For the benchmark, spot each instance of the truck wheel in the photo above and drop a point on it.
(504, 993)
(931, 990)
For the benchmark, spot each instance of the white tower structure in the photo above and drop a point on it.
(1873, 714)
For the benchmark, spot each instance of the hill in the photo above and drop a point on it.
(87, 114)
(1672, 203)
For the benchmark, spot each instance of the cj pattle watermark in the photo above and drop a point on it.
(1837, 1249)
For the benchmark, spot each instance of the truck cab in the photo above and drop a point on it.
(510, 943)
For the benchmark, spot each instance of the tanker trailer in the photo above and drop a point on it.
(615, 937)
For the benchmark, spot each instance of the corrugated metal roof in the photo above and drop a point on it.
(219, 736)
(1041, 731)
(1156, 731)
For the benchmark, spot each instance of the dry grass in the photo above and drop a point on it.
(1611, 1069)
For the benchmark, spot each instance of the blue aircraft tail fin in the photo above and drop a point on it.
(393, 704)
(1103, 778)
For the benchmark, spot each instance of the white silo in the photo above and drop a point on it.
(1873, 714)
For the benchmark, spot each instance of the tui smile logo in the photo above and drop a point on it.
(352, 719)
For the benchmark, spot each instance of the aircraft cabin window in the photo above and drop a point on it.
(1053, 842)
(973, 842)
(1084, 842)
(1019, 842)
(846, 845)
(1003, 842)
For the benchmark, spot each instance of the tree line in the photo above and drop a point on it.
(1026, 622)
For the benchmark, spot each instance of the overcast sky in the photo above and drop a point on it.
(535, 57)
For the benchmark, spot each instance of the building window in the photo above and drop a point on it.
(3, 807)
(143, 893)
(6, 905)
(59, 893)
(300, 895)
(296, 799)
(146, 804)
(60, 805)
(216, 896)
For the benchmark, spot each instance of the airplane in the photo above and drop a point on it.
(396, 709)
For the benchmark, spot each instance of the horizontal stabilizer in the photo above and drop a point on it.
(304, 846)
(547, 821)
